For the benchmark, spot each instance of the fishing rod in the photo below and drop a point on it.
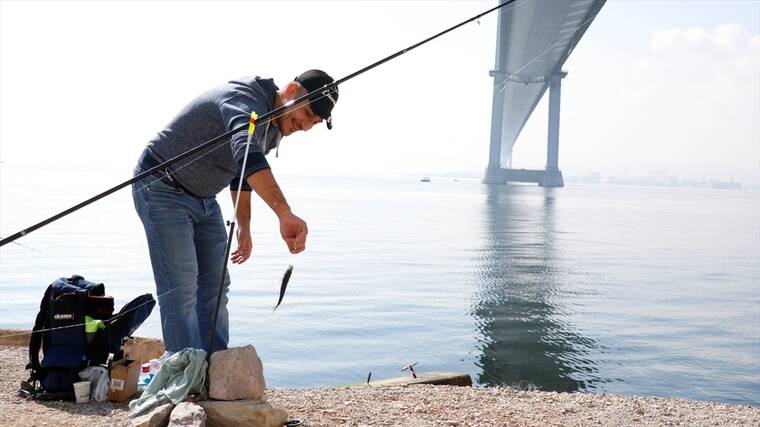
(325, 90)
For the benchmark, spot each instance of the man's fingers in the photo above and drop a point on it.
(301, 238)
(294, 231)
(293, 246)
(289, 242)
(240, 255)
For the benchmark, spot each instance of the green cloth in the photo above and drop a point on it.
(183, 372)
(92, 325)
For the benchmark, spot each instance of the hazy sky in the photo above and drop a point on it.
(653, 85)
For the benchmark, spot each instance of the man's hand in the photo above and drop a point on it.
(245, 246)
(293, 230)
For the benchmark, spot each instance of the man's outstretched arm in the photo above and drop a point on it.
(292, 228)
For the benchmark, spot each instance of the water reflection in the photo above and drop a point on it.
(521, 306)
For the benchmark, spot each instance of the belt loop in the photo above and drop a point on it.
(168, 174)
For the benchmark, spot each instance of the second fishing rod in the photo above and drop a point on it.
(223, 138)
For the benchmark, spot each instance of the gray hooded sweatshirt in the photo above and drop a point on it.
(211, 114)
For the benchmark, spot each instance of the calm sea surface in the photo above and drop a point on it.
(630, 290)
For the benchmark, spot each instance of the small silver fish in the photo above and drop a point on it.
(284, 285)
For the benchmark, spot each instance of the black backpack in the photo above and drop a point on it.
(76, 328)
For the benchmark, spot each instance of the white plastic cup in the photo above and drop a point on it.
(82, 391)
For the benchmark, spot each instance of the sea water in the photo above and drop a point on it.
(616, 289)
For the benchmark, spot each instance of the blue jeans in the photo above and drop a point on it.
(187, 240)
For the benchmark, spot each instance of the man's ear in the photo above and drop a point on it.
(291, 91)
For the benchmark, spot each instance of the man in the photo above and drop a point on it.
(177, 206)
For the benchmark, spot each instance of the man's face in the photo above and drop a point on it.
(299, 117)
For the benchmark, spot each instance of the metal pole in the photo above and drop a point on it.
(219, 295)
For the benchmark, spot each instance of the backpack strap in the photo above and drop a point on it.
(35, 340)
(29, 387)
(124, 323)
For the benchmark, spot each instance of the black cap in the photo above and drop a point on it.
(323, 101)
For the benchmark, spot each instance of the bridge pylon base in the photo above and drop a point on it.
(544, 178)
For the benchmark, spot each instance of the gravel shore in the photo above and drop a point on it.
(418, 405)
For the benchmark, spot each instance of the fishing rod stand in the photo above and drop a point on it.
(220, 294)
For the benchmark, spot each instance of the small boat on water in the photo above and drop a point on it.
(425, 179)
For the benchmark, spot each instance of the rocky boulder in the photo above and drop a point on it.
(187, 414)
(157, 417)
(243, 413)
(236, 373)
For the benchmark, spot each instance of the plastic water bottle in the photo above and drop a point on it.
(155, 365)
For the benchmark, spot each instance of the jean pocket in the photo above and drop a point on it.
(159, 186)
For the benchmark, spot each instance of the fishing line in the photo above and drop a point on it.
(28, 247)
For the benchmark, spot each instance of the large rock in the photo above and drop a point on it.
(157, 417)
(437, 378)
(187, 414)
(143, 349)
(236, 373)
(243, 413)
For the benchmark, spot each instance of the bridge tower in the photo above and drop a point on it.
(534, 38)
